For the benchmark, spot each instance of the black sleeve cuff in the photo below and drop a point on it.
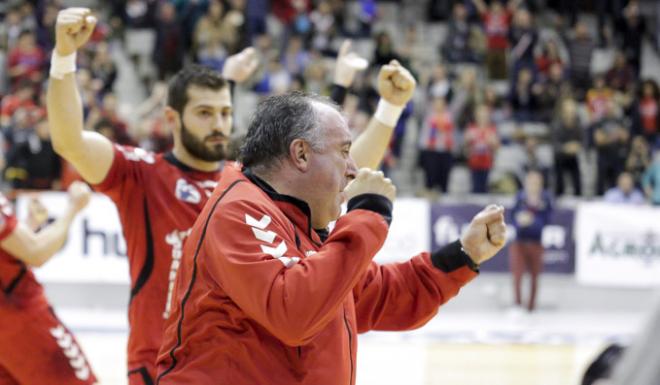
(374, 202)
(338, 93)
(232, 86)
(451, 257)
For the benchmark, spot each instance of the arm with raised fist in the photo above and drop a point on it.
(37, 248)
(89, 152)
(404, 296)
(396, 86)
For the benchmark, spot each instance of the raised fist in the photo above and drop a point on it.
(485, 235)
(73, 28)
(396, 84)
(368, 181)
(79, 195)
(348, 64)
(239, 67)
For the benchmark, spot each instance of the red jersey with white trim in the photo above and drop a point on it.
(158, 199)
(20, 289)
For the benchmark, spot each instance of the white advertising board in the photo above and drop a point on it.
(618, 245)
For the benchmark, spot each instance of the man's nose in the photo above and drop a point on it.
(351, 170)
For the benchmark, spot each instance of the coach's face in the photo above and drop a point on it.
(331, 167)
(206, 123)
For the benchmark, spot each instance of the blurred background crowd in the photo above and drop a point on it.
(565, 87)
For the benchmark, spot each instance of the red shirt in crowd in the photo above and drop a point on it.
(480, 147)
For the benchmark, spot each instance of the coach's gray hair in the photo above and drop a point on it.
(278, 121)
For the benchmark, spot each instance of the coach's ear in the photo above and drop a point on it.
(299, 154)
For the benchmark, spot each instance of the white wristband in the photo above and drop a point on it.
(62, 65)
(387, 113)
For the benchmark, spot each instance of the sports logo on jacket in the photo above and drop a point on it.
(268, 238)
(72, 352)
(187, 192)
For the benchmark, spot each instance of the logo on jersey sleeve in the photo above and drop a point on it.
(259, 229)
(187, 192)
(71, 350)
(137, 154)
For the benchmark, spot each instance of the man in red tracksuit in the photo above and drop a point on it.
(35, 347)
(263, 298)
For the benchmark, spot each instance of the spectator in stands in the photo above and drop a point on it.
(439, 85)
(638, 159)
(523, 37)
(554, 89)
(651, 179)
(646, 112)
(567, 137)
(524, 97)
(632, 28)
(295, 59)
(209, 28)
(529, 215)
(46, 27)
(169, 49)
(384, 51)
(103, 69)
(496, 20)
(625, 191)
(580, 46)
(610, 136)
(109, 111)
(26, 60)
(323, 23)
(481, 142)
(466, 95)
(621, 77)
(23, 97)
(548, 58)
(459, 46)
(598, 99)
(437, 144)
(31, 162)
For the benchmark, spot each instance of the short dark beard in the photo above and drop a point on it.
(199, 150)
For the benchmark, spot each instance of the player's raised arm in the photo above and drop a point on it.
(89, 152)
(36, 248)
(396, 87)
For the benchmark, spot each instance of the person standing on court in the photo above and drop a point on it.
(159, 196)
(531, 212)
(266, 295)
(35, 347)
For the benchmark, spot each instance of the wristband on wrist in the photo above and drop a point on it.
(387, 113)
(62, 65)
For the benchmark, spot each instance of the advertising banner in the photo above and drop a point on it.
(618, 245)
(449, 220)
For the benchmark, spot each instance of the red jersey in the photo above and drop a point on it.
(497, 29)
(21, 291)
(438, 133)
(262, 299)
(158, 198)
(480, 151)
(648, 110)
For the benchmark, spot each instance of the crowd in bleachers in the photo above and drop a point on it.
(510, 86)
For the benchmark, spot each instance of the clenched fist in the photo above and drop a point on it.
(348, 64)
(396, 84)
(485, 235)
(368, 181)
(79, 195)
(73, 28)
(239, 67)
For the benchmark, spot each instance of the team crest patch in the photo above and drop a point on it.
(187, 192)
